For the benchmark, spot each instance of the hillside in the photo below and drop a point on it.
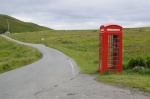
(18, 26)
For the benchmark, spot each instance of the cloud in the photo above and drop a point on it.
(79, 14)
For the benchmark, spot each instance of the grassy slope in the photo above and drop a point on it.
(13, 55)
(17, 25)
(82, 46)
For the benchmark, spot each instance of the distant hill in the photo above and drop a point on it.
(17, 25)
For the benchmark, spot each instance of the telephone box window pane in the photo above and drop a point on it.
(113, 51)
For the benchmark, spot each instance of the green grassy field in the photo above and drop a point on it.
(82, 46)
(13, 55)
(136, 43)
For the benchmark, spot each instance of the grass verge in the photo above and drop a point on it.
(13, 55)
(124, 79)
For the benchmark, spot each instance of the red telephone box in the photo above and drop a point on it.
(110, 48)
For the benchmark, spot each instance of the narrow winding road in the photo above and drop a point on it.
(56, 76)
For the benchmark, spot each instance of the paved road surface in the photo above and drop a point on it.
(56, 76)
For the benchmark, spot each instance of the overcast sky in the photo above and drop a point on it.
(79, 14)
